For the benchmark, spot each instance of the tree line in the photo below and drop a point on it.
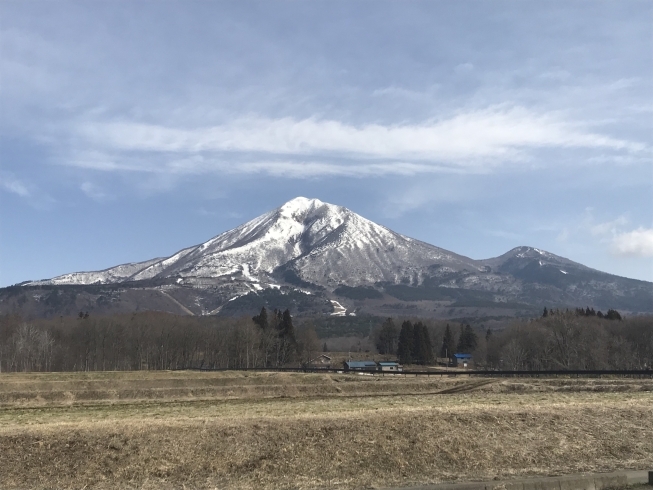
(575, 339)
(569, 340)
(154, 340)
(559, 339)
(610, 315)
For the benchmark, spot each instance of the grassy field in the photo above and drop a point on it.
(284, 430)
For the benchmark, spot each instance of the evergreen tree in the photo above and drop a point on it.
(285, 343)
(545, 313)
(429, 346)
(325, 348)
(467, 341)
(405, 346)
(613, 315)
(386, 341)
(422, 351)
(461, 339)
(488, 334)
(448, 344)
(286, 328)
(261, 319)
(418, 341)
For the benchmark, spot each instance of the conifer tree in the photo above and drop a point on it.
(416, 348)
(261, 319)
(286, 328)
(405, 347)
(448, 343)
(429, 346)
(422, 352)
(468, 340)
(386, 341)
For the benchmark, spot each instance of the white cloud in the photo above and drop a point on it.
(31, 194)
(608, 227)
(317, 169)
(636, 243)
(202, 211)
(299, 169)
(94, 192)
(14, 186)
(563, 235)
(471, 141)
(400, 92)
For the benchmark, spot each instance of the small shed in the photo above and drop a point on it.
(462, 360)
(390, 366)
(360, 366)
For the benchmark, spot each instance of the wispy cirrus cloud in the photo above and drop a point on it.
(611, 227)
(94, 192)
(30, 193)
(488, 133)
(299, 169)
(470, 141)
(13, 185)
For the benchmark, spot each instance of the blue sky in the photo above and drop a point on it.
(130, 130)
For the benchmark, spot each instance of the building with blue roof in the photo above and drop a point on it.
(462, 360)
(390, 366)
(360, 366)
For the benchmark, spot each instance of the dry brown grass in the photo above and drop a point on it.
(273, 430)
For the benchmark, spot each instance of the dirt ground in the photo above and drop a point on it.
(282, 430)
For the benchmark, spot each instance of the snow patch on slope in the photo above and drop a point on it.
(120, 273)
(338, 309)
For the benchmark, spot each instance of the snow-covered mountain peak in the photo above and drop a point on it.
(316, 247)
(325, 244)
(522, 256)
(304, 210)
(300, 205)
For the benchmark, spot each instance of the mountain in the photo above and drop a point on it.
(325, 244)
(322, 258)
